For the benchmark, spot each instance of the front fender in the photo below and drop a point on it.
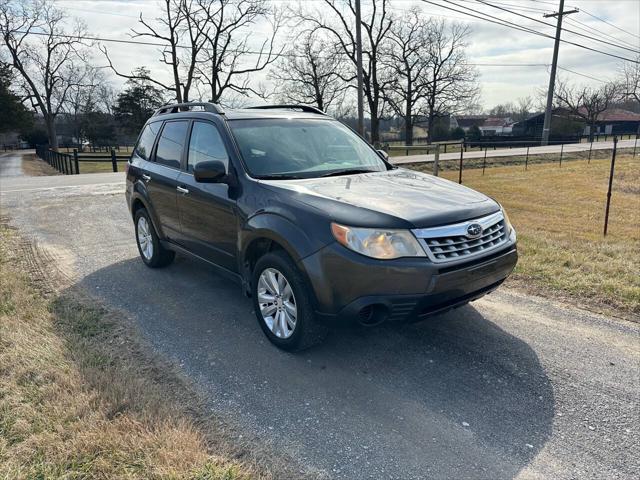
(275, 227)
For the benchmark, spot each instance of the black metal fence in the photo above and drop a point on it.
(69, 163)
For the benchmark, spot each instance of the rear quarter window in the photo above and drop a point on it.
(146, 140)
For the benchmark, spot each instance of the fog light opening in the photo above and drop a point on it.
(372, 315)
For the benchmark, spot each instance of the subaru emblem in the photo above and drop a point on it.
(474, 230)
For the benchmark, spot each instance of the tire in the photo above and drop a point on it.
(152, 253)
(306, 331)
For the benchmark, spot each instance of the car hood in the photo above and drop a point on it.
(396, 198)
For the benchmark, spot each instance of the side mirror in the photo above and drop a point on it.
(210, 172)
(383, 154)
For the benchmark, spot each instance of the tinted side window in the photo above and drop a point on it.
(145, 144)
(206, 144)
(171, 143)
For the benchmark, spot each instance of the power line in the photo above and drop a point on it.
(498, 21)
(583, 74)
(551, 25)
(611, 24)
(586, 28)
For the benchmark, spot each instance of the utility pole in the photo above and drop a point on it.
(554, 65)
(359, 69)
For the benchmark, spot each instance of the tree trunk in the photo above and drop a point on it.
(408, 118)
(430, 124)
(51, 132)
(592, 128)
(375, 129)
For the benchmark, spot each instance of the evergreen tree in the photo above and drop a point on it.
(137, 103)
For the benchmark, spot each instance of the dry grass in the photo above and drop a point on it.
(33, 166)
(559, 215)
(79, 398)
(100, 167)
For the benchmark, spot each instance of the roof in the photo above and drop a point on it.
(618, 115)
(204, 109)
(248, 113)
(496, 122)
(470, 120)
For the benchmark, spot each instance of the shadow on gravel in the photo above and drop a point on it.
(454, 396)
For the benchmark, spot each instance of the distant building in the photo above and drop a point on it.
(465, 122)
(487, 125)
(614, 121)
(496, 126)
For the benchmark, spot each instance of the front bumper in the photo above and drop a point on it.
(351, 287)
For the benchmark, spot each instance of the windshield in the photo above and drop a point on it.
(302, 148)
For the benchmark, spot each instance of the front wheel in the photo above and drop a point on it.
(282, 304)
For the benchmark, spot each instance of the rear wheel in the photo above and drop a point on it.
(282, 304)
(152, 252)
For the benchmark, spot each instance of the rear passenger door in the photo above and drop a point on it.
(162, 175)
(207, 214)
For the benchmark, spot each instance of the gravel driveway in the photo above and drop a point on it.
(512, 386)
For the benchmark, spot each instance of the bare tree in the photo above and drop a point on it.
(311, 73)
(407, 59)
(339, 25)
(587, 103)
(184, 39)
(524, 108)
(47, 58)
(630, 81)
(453, 82)
(82, 99)
(207, 43)
(225, 63)
(518, 111)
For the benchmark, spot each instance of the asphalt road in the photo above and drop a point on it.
(512, 386)
(10, 165)
(511, 152)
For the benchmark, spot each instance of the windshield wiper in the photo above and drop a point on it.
(279, 176)
(347, 171)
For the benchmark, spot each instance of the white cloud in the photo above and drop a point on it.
(489, 43)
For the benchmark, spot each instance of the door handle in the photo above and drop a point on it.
(145, 177)
(182, 190)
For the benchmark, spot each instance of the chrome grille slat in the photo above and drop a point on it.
(434, 242)
(451, 242)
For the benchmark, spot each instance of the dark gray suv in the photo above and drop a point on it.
(315, 224)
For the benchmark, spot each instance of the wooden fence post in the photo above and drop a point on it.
(590, 148)
(114, 163)
(561, 153)
(436, 159)
(460, 170)
(484, 161)
(613, 163)
(76, 161)
(526, 160)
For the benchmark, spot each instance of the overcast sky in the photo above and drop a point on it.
(490, 44)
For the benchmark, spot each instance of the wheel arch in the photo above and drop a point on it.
(266, 233)
(138, 201)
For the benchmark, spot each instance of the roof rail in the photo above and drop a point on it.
(176, 107)
(304, 108)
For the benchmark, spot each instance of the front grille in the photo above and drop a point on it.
(452, 242)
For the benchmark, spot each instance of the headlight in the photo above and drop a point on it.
(378, 243)
(507, 224)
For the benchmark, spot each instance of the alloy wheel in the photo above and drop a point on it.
(277, 303)
(145, 239)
